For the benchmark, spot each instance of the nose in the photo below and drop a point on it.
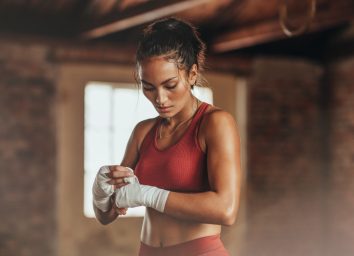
(161, 97)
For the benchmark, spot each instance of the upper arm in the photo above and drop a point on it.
(223, 154)
(131, 155)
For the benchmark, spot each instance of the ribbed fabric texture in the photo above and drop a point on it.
(204, 246)
(182, 167)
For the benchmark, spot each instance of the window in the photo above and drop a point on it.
(111, 113)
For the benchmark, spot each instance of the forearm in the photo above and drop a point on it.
(207, 207)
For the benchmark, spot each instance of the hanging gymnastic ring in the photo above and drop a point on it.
(283, 16)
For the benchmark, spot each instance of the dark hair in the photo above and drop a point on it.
(175, 39)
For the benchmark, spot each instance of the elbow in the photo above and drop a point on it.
(229, 205)
(229, 215)
(228, 219)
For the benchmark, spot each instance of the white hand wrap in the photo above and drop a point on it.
(134, 194)
(129, 179)
(101, 190)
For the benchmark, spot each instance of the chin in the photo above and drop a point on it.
(164, 115)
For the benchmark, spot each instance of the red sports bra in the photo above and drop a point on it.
(182, 167)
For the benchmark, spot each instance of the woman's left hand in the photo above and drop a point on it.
(117, 174)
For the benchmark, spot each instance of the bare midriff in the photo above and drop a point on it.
(161, 230)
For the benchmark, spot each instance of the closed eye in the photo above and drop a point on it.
(148, 88)
(170, 87)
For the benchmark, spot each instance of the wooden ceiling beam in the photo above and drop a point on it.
(240, 65)
(94, 54)
(269, 31)
(145, 13)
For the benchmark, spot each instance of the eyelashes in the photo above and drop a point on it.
(153, 88)
(171, 87)
(149, 90)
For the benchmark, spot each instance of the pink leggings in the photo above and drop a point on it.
(204, 246)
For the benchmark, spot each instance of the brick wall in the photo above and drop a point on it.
(285, 159)
(27, 151)
(341, 185)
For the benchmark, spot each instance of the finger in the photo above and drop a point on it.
(120, 185)
(121, 174)
(118, 168)
(122, 211)
(119, 210)
(116, 181)
(119, 182)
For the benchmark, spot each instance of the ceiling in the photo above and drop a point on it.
(228, 26)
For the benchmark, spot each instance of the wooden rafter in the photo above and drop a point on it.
(269, 31)
(146, 13)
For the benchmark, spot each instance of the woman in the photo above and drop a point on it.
(186, 161)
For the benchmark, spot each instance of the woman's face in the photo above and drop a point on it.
(167, 87)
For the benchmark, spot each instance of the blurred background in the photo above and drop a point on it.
(68, 101)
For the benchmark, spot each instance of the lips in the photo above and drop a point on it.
(163, 109)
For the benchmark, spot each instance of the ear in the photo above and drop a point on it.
(193, 74)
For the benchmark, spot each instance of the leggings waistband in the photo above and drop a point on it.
(200, 246)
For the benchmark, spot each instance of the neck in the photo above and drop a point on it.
(180, 123)
(186, 114)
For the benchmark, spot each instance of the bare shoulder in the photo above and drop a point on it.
(142, 128)
(146, 124)
(216, 126)
(216, 118)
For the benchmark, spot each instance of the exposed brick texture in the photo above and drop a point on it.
(300, 158)
(285, 141)
(27, 151)
(341, 182)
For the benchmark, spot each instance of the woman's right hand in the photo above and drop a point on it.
(101, 190)
(119, 211)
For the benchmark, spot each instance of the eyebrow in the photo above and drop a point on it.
(167, 80)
